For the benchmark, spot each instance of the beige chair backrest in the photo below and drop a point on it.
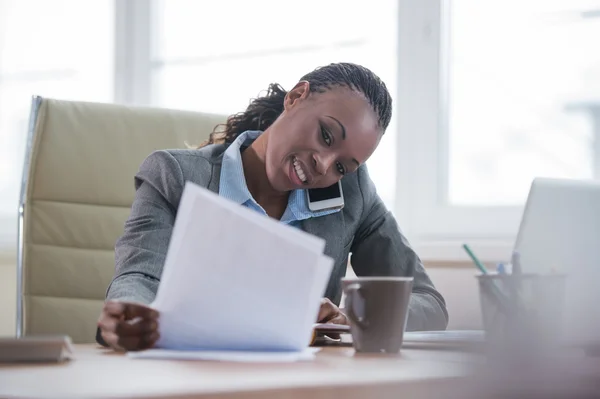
(76, 195)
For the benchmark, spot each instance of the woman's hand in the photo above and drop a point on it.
(128, 326)
(329, 313)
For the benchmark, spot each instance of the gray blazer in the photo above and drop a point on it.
(364, 228)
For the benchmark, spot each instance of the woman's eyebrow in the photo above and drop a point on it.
(341, 126)
(343, 135)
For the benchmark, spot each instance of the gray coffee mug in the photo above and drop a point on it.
(377, 308)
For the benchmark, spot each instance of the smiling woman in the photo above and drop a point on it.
(307, 139)
(319, 133)
(326, 147)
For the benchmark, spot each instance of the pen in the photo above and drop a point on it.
(495, 291)
(477, 262)
(500, 268)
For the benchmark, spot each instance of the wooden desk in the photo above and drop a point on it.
(336, 372)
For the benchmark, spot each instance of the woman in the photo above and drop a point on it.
(321, 131)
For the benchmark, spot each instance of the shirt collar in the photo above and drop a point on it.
(233, 183)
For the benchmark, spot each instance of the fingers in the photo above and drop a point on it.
(327, 310)
(139, 342)
(128, 326)
(130, 343)
(129, 310)
(329, 313)
(340, 318)
(111, 339)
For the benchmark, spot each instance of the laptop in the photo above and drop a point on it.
(560, 232)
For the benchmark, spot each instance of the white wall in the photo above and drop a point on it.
(459, 288)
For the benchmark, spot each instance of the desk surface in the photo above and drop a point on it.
(336, 372)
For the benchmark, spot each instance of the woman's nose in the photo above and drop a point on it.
(323, 162)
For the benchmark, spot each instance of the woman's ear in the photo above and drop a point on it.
(298, 93)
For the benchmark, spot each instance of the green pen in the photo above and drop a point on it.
(477, 262)
(502, 301)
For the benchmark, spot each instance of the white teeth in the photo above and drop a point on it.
(299, 171)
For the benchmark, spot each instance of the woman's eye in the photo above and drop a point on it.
(326, 136)
(340, 168)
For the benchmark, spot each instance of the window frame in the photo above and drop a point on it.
(436, 228)
(133, 52)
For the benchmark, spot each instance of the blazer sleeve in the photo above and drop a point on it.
(140, 252)
(380, 249)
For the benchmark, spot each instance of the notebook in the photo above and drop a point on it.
(32, 349)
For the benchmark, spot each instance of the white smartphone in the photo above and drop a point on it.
(320, 199)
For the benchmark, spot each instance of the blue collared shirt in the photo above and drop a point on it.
(232, 184)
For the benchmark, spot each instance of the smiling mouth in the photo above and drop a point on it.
(299, 171)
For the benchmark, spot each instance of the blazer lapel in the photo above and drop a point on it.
(213, 184)
(215, 178)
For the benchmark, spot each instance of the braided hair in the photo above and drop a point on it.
(263, 111)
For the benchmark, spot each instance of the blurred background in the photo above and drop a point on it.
(487, 95)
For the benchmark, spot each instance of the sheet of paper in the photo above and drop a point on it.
(336, 328)
(321, 278)
(236, 280)
(448, 336)
(228, 356)
(465, 339)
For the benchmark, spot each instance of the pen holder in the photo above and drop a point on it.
(523, 311)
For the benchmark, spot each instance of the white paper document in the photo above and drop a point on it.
(227, 356)
(235, 280)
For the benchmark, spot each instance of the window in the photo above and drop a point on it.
(521, 99)
(487, 94)
(60, 49)
(497, 93)
(216, 56)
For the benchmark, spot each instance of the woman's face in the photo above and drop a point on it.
(320, 137)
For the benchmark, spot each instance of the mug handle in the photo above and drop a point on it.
(351, 291)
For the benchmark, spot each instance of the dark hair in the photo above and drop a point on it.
(263, 111)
